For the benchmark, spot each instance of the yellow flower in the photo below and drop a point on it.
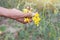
(36, 19)
(36, 14)
(26, 20)
(25, 10)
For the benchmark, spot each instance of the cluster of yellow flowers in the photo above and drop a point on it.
(36, 19)
(26, 20)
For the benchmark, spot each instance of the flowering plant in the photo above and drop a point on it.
(36, 19)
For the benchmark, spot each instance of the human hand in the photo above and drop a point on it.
(18, 15)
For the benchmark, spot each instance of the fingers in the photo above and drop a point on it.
(25, 15)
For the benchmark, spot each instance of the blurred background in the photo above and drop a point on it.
(49, 26)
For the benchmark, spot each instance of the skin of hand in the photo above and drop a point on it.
(15, 14)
